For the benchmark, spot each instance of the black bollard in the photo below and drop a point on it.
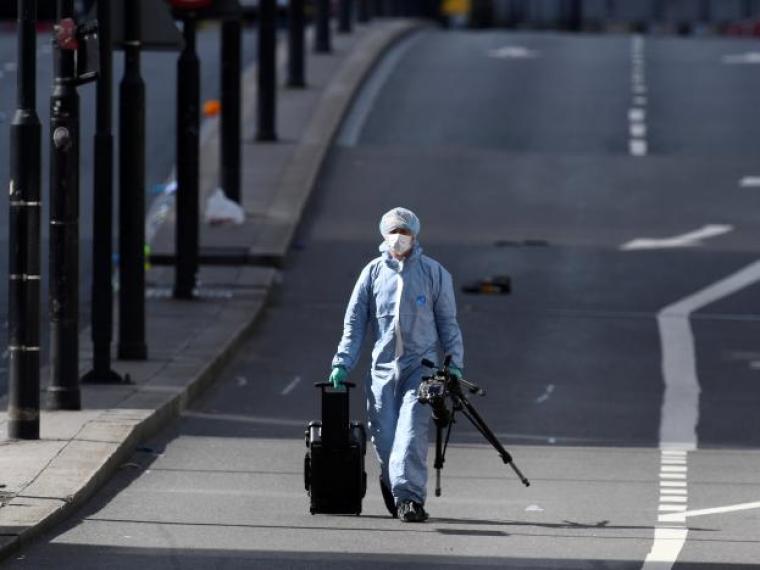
(64, 217)
(230, 119)
(267, 84)
(322, 39)
(345, 16)
(102, 213)
(24, 239)
(364, 14)
(188, 142)
(296, 45)
(132, 345)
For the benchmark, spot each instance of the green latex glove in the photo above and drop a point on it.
(455, 372)
(338, 376)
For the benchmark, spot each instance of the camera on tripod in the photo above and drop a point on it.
(444, 393)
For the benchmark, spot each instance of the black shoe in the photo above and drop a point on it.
(412, 511)
(390, 502)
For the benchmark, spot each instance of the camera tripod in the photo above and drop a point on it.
(435, 391)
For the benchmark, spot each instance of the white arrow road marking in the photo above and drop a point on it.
(290, 387)
(750, 182)
(748, 58)
(691, 239)
(546, 395)
(513, 52)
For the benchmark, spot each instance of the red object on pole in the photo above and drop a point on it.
(66, 35)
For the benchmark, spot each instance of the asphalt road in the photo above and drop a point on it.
(519, 162)
(159, 72)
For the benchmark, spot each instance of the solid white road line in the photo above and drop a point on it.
(239, 418)
(680, 414)
(690, 239)
(748, 58)
(365, 102)
(668, 543)
(720, 510)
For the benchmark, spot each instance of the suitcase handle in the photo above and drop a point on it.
(330, 385)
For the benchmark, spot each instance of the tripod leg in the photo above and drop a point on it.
(439, 459)
(476, 420)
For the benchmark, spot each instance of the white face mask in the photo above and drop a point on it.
(399, 243)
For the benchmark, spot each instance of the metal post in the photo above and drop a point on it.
(230, 119)
(24, 239)
(747, 9)
(267, 84)
(102, 213)
(345, 15)
(64, 218)
(705, 11)
(364, 15)
(322, 40)
(296, 46)
(132, 344)
(378, 7)
(188, 142)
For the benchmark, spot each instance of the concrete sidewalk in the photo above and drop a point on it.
(41, 482)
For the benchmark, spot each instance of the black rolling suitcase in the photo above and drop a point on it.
(334, 465)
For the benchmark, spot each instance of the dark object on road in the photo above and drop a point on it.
(496, 285)
(334, 472)
(444, 393)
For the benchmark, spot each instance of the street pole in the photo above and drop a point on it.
(64, 217)
(132, 344)
(188, 141)
(102, 213)
(747, 9)
(24, 239)
(345, 15)
(267, 84)
(230, 119)
(322, 40)
(364, 15)
(296, 45)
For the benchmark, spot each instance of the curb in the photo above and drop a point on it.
(104, 441)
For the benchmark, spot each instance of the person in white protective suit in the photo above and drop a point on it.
(407, 301)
